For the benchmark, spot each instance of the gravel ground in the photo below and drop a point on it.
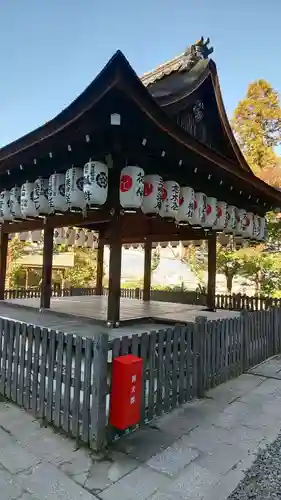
(263, 479)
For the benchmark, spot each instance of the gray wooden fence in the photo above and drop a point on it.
(59, 377)
(184, 362)
(65, 380)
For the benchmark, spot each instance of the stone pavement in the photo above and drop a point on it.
(198, 452)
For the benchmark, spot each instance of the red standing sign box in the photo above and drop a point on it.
(126, 391)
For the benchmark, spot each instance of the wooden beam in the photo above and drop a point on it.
(99, 280)
(46, 286)
(54, 221)
(212, 269)
(3, 261)
(147, 270)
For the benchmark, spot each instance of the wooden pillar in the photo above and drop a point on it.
(212, 268)
(46, 284)
(147, 271)
(114, 278)
(3, 261)
(99, 280)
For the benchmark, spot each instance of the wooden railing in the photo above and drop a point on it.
(235, 302)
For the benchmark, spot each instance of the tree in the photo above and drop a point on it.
(257, 126)
(262, 268)
(196, 259)
(229, 263)
(83, 273)
(15, 252)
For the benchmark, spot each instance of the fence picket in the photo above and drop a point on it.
(42, 373)
(27, 379)
(16, 363)
(175, 367)
(191, 364)
(183, 371)
(51, 365)
(87, 390)
(10, 355)
(34, 394)
(5, 336)
(160, 372)
(144, 356)
(151, 375)
(58, 378)
(213, 333)
(77, 389)
(98, 407)
(168, 369)
(67, 383)
(22, 364)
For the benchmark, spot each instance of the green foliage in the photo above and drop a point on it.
(262, 268)
(83, 272)
(229, 263)
(197, 262)
(15, 252)
(257, 125)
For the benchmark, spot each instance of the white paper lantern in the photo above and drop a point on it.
(152, 194)
(74, 193)
(59, 236)
(95, 183)
(15, 202)
(170, 199)
(79, 237)
(240, 221)
(89, 239)
(95, 239)
(186, 204)
(199, 212)
(131, 187)
(56, 193)
(231, 219)
(69, 236)
(248, 228)
(5, 205)
(256, 227)
(221, 216)
(263, 230)
(211, 212)
(27, 205)
(41, 188)
(24, 236)
(35, 236)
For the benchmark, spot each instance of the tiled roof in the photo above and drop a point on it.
(183, 62)
(178, 63)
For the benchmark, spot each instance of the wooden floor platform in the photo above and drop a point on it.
(87, 315)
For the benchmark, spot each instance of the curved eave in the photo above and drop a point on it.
(118, 73)
(224, 118)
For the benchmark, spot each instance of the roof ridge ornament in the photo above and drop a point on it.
(199, 50)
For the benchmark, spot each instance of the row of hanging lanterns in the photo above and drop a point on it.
(185, 206)
(85, 188)
(75, 237)
(75, 190)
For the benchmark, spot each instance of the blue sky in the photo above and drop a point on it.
(52, 49)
